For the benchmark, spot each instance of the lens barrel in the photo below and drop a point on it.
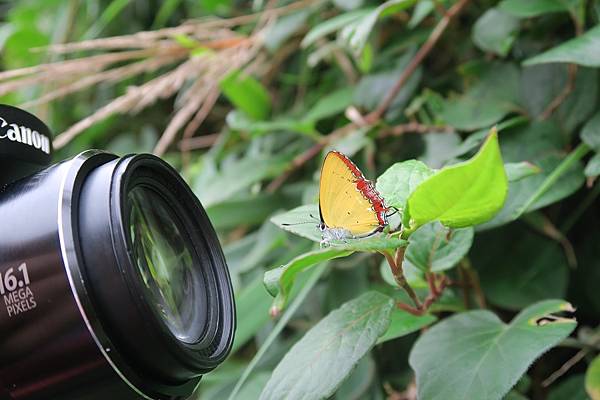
(113, 283)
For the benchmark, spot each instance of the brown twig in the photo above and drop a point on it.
(414, 127)
(199, 142)
(558, 100)
(433, 38)
(473, 280)
(566, 367)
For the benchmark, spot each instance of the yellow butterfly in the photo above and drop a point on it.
(349, 205)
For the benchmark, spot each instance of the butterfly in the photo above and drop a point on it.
(349, 205)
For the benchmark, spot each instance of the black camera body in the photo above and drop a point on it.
(112, 280)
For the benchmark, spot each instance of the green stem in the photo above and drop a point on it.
(287, 315)
(559, 171)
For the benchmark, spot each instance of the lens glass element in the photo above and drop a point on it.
(166, 264)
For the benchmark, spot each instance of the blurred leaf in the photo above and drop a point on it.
(371, 88)
(17, 52)
(495, 31)
(403, 323)
(330, 350)
(522, 191)
(436, 248)
(239, 121)
(252, 389)
(214, 187)
(583, 50)
(518, 268)
(253, 304)
(541, 84)
(285, 28)
(492, 97)
(219, 7)
(532, 8)
(463, 194)
(439, 148)
(247, 94)
(330, 104)
(490, 356)
(572, 388)
(348, 4)
(253, 210)
(397, 183)
(422, 9)
(268, 238)
(356, 33)
(332, 25)
(592, 379)
(593, 166)
(590, 133)
(517, 171)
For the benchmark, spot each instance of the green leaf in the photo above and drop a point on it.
(317, 364)
(403, 323)
(463, 194)
(592, 379)
(572, 388)
(279, 281)
(357, 384)
(302, 221)
(356, 33)
(422, 9)
(398, 182)
(590, 133)
(474, 355)
(284, 28)
(307, 287)
(240, 121)
(518, 268)
(531, 8)
(582, 50)
(436, 248)
(593, 166)
(495, 31)
(247, 94)
(331, 104)
(542, 83)
(370, 88)
(252, 312)
(491, 98)
(521, 192)
(517, 171)
(332, 25)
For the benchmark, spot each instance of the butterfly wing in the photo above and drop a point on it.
(341, 203)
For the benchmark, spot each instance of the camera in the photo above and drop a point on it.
(113, 283)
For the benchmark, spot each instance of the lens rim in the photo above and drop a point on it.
(111, 178)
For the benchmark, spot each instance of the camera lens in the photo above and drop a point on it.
(166, 264)
(118, 287)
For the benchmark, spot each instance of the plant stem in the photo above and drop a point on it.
(473, 281)
(396, 268)
(559, 171)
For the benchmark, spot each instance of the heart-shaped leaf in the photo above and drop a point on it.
(474, 355)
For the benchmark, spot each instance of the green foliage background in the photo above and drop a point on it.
(317, 81)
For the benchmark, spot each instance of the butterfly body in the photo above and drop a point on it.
(349, 204)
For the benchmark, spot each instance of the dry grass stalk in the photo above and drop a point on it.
(224, 50)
